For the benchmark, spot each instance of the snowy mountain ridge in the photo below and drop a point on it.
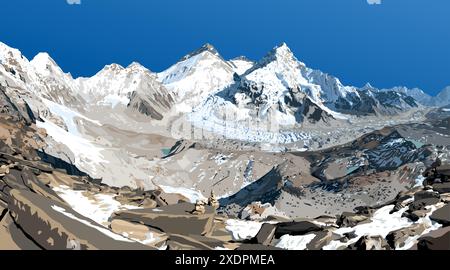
(115, 85)
(196, 76)
(221, 96)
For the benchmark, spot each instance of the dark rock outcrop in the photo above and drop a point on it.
(138, 231)
(421, 204)
(16, 110)
(442, 215)
(425, 194)
(370, 243)
(348, 219)
(183, 242)
(396, 239)
(415, 215)
(266, 234)
(435, 240)
(296, 228)
(322, 239)
(442, 187)
(152, 100)
(63, 228)
(174, 219)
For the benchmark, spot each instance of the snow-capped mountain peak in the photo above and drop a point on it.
(16, 64)
(282, 50)
(418, 94)
(136, 67)
(281, 53)
(110, 70)
(134, 87)
(205, 48)
(275, 75)
(111, 86)
(113, 83)
(8, 52)
(241, 64)
(57, 85)
(443, 98)
(445, 93)
(45, 65)
(41, 76)
(367, 86)
(43, 59)
(197, 75)
(242, 58)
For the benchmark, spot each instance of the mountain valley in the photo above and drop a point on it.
(218, 154)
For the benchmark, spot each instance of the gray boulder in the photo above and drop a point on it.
(174, 219)
(442, 215)
(266, 234)
(396, 239)
(63, 228)
(425, 194)
(322, 239)
(183, 242)
(348, 219)
(424, 198)
(442, 187)
(416, 215)
(370, 243)
(435, 240)
(296, 228)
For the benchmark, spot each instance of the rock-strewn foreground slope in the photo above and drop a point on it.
(43, 207)
(40, 205)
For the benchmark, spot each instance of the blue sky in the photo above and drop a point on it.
(399, 42)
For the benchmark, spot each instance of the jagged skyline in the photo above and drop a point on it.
(355, 45)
